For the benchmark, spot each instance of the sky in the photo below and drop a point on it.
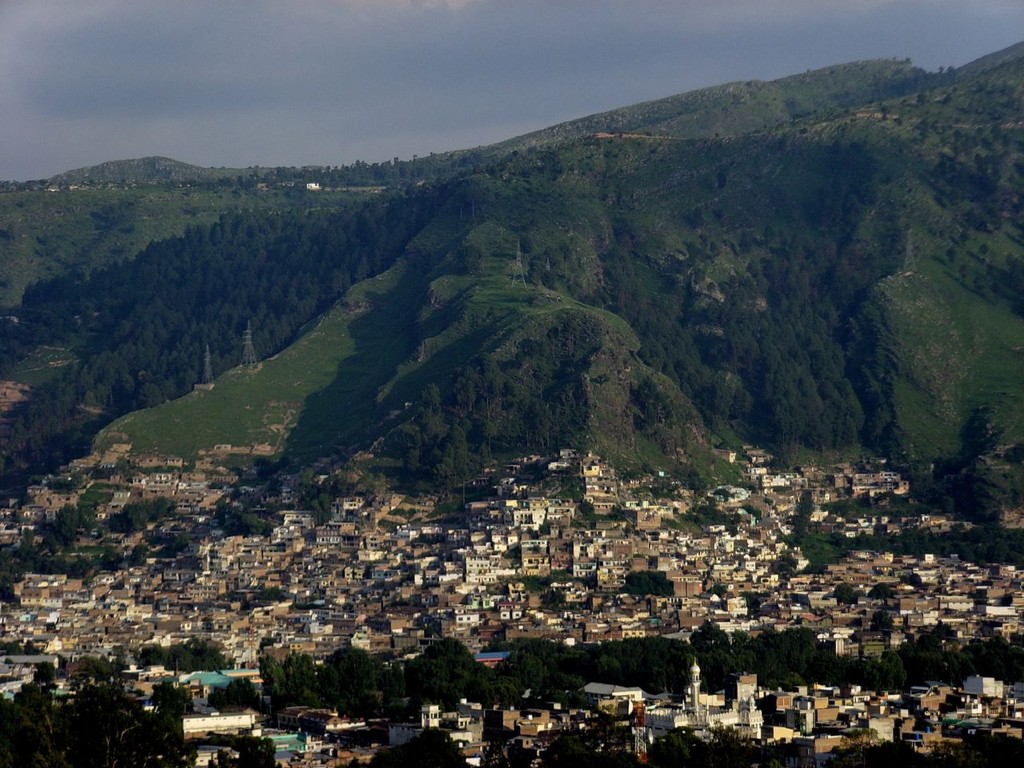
(239, 83)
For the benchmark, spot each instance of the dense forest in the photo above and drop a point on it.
(764, 348)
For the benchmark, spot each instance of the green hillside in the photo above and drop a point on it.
(110, 211)
(143, 170)
(742, 275)
(826, 275)
(45, 234)
(363, 368)
(741, 107)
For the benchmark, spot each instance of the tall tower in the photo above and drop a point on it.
(693, 691)
(248, 350)
(518, 273)
(207, 367)
(640, 731)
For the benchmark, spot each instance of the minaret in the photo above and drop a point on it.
(693, 693)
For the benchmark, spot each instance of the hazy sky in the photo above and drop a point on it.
(326, 82)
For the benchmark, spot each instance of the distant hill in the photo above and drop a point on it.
(45, 234)
(729, 109)
(991, 61)
(143, 170)
(820, 280)
(733, 108)
(51, 235)
(741, 107)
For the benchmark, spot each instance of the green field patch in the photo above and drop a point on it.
(250, 410)
(378, 339)
(41, 366)
(97, 493)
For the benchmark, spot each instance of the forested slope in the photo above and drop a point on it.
(847, 281)
(139, 329)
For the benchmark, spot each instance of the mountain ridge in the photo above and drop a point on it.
(851, 83)
(886, 78)
(150, 169)
(847, 281)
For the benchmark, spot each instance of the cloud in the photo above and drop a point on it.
(244, 82)
(452, 5)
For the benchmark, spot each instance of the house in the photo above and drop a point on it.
(196, 726)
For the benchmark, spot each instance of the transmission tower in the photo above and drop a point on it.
(639, 728)
(207, 367)
(518, 273)
(248, 350)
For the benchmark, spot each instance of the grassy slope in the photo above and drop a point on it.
(245, 407)
(42, 365)
(956, 354)
(354, 372)
(737, 108)
(321, 391)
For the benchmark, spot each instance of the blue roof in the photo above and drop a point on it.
(492, 655)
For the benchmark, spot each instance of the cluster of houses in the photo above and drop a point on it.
(800, 727)
(376, 573)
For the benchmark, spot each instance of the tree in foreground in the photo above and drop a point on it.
(101, 727)
(251, 752)
(106, 728)
(726, 748)
(431, 749)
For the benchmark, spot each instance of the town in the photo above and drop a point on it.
(546, 548)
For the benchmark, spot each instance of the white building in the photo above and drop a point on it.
(696, 714)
